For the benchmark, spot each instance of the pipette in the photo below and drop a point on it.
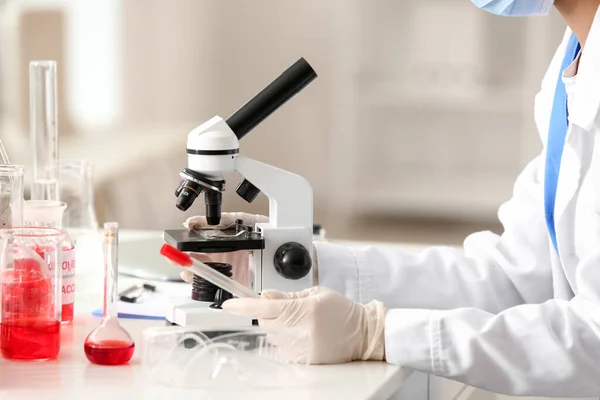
(206, 272)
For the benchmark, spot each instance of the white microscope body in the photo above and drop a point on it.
(281, 257)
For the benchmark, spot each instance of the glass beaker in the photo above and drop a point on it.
(43, 213)
(77, 190)
(30, 313)
(11, 195)
(79, 219)
(49, 214)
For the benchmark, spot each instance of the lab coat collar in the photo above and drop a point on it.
(586, 97)
(549, 81)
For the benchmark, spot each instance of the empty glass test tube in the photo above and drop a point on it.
(43, 128)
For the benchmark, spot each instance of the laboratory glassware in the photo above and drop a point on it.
(43, 128)
(3, 154)
(11, 195)
(220, 358)
(30, 315)
(77, 190)
(110, 343)
(48, 213)
(45, 213)
(206, 272)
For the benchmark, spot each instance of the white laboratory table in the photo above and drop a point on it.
(71, 376)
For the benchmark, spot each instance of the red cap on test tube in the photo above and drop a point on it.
(175, 255)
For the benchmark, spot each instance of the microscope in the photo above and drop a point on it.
(280, 250)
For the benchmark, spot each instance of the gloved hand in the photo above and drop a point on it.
(239, 260)
(340, 329)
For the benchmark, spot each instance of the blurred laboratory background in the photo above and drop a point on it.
(415, 130)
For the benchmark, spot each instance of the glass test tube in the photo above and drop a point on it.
(44, 131)
(11, 195)
(3, 154)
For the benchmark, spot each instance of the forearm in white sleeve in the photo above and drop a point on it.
(492, 273)
(548, 349)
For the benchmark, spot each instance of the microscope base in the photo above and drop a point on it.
(184, 311)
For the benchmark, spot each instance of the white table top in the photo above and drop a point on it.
(71, 376)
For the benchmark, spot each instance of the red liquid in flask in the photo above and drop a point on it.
(29, 330)
(109, 352)
(68, 310)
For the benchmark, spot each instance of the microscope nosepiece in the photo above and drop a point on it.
(192, 185)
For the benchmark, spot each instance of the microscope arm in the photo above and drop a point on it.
(290, 195)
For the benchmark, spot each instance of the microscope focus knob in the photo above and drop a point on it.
(292, 261)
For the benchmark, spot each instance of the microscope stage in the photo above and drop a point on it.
(196, 242)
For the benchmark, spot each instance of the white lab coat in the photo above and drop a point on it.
(507, 314)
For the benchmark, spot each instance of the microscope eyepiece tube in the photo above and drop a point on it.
(290, 82)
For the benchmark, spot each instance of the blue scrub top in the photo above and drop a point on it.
(559, 123)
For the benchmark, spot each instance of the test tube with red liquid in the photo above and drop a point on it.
(30, 313)
(110, 343)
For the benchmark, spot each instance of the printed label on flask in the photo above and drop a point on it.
(68, 276)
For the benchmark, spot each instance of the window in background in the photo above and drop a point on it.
(83, 37)
(433, 102)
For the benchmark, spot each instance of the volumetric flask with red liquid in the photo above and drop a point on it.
(30, 284)
(49, 214)
(110, 343)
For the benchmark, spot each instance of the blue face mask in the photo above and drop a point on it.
(515, 8)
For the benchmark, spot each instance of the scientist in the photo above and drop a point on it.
(517, 313)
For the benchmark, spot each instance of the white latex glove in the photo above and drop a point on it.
(340, 329)
(227, 220)
(239, 260)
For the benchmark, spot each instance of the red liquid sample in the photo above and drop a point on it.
(67, 312)
(109, 352)
(30, 339)
(26, 295)
(29, 328)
